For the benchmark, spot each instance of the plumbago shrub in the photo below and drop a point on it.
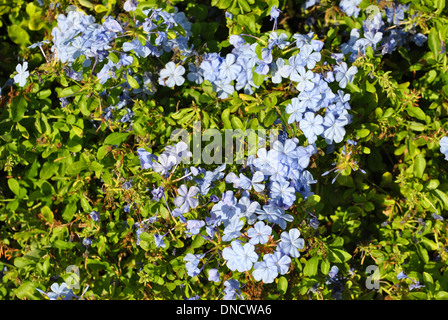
(227, 150)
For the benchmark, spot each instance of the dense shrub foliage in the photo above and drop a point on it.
(224, 149)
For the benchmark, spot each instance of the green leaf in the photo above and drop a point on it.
(68, 91)
(325, 266)
(76, 168)
(270, 118)
(417, 296)
(336, 255)
(102, 152)
(26, 290)
(443, 197)
(434, 41)
(439, 5)
(78, 63)
(69, 211)
(49, 168)
(21, 262)
(145, 236)
(18, 108)
(417, 126)
(225, 116)
(442, 295)
(244, 5)
(282, 285)
(63, 245)
(362, 133)
(422, 252)
(254, 107)
(198, 241)
(86, 4)
(311, 267)
(419, 165)
(416, 112)
(237, 124)
(132, 82)
(18, 35)
(100, 8)
(14, 186)
(47, 214)
(116, 138)
(258, 78)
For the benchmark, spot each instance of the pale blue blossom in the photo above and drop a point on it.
(22, 74)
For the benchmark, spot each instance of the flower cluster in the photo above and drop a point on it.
(61, 292)
(378, 34)
(249, 220)
(77, 35)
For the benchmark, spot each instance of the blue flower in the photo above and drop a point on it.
(229, 69)
(58, 291)
(265, 272)
(274, 214)
(213, 275)
(295, 109)
(127, 185)
(179, 151)
(232, 289)
(145, 158)
(345, 75)
(311, 125)
(310, 99)
(240, 257)
(247, 184)
(437, 216)
(233, 229)
(278, 259)
(139, 49)
(195, 74)
(333, 273)
(86, 242)
(22, 74)
(227, 208)
(275, 13)
(157, 193)
(194, 227)
(38, 44)
(186, 199)
(373, 38)
(171, 75)
(415, 285)
(282, 193)
(350, 7)
(130, 5)
(395, 13)
(334, 128)
(303, 77)
(164, 164)
(223, 89)
(309, 57)
(419, 39)
(259, 234)
(158, 239)
(193, 261)
(304, 154)
(95, 215)
(291, 243)
(248, 209)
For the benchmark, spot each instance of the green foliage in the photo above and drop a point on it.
(60, 163)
